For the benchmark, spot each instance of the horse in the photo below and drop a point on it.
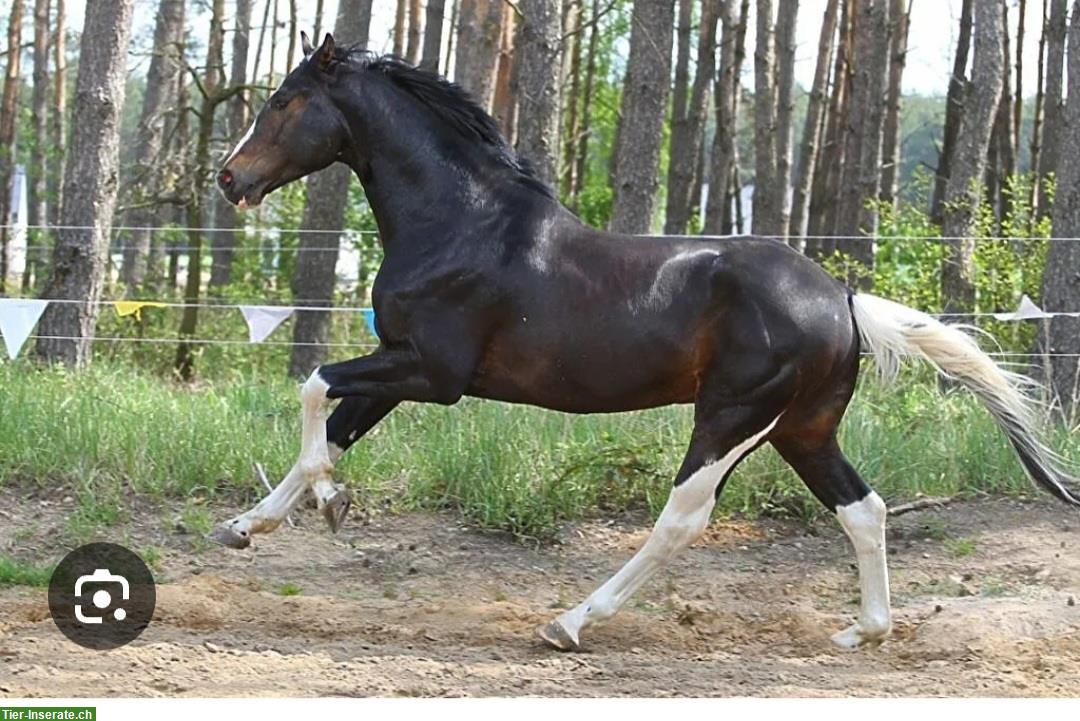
(491, 288)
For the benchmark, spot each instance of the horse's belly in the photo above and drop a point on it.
(586, 377)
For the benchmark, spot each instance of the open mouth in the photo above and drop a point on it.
(254, 197)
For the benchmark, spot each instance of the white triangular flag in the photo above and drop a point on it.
(18, 316)
(263, 319)
(1027, 311)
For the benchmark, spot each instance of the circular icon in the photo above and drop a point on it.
(102, 596)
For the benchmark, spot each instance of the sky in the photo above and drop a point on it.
(931, 42)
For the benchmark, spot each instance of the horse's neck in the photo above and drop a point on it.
(421, 193)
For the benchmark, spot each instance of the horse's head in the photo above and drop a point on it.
(298, 131)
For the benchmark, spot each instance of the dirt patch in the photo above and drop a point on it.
(416, 605)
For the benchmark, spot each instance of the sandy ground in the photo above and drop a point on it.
(985, 595)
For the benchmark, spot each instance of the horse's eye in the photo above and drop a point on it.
(279, 103)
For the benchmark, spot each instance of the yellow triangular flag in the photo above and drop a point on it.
(134, 307)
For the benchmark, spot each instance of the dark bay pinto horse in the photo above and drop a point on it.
(491, 288)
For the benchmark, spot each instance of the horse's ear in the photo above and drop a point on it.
(305, 43)
(324, 56)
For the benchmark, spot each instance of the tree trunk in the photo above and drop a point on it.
(212, 83)
(1053, 103)
(1061, 282)
(1002, 143)
(954, 110)
(766, 216)
(159, 101)
(477, 57)
(223, 242)
(788, 11)
(294, 32)
(1035, 149)
(572, 97)
(58, 127)
(815, 110)
(1018, 99)
(890, 153)
(39, 169)
(504, 103)
(400, 19)
(412, 49)
(980, 101)
(680, 95)
(826, 184)
(726, 100)
(536, 84)
(861, 177)
(328, 193)
(581, 151)
(8, 115)
(90, 179)
(433, 27)
(686, 136)
(644, 102)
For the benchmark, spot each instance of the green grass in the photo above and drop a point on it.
(114, 430)
(18, 573)
(289, 589)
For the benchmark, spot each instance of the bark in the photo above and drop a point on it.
(581, 151)
(826, 185)
(39, 168)
(815, 110)
(455, 9)
(890, 152)
(328, 193)
(1061, 281)
(787, 14)
(767, 207)
(1035, 149)
(954, 110)
(572, 98)
(212, 83)
(262, 40)
(1004, 150)
(412, 49)
(159, 103)
(58, 127)
(644, 102)
(981, 98)
(680, 94)
(294, 33)
(504, 103)
(1018, 99)
(687, 136)
(477, 57)
(433, 29)
(90, 179)
(726, 100)
(1053, 104)
(223, 243)
(319, 10)
(861, 177)
(536, 85)
(8, 115)
(400, 19)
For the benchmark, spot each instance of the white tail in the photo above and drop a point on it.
(891, 331)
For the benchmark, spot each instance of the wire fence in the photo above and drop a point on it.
(320, 305)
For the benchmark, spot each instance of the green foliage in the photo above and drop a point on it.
(18, 573)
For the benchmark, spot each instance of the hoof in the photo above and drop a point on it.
(854, 637)
(554, 635)
(336, 507)
(227, 535)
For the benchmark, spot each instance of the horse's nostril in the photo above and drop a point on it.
(225, 179)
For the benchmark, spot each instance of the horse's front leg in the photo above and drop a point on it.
(352, 418)
(382, 380)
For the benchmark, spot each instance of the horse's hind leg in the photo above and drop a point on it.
(719, 442)
(861, 513)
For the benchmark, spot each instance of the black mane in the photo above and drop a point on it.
(452, 104)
